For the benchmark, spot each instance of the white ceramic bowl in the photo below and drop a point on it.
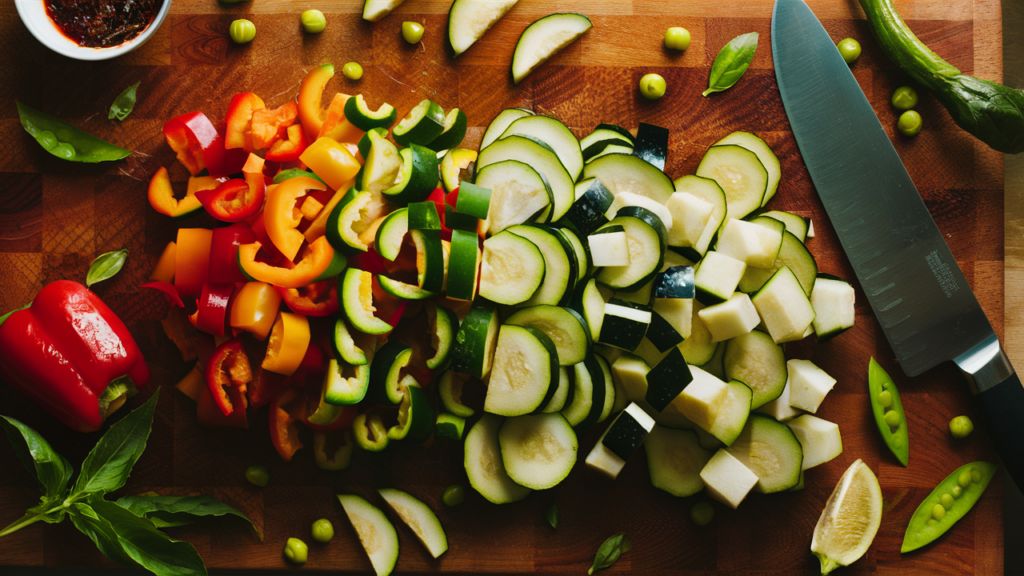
(33, 14)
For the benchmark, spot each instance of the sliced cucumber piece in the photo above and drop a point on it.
(557, 279)
(764, 154)
(538, 450)
(674, 460)
(541, 159)
(627, 173)
(501, 121)
(469, 20)
(740, 174)
(455, 126)
(376, 533)
(554, 134)
(512, 269)
(758, 362)
(525, 373)
(421, 125)
(518, 193)
(771, 451)
(344, 384)
(565, 327)
(419, 518)
(795, 225)
(545, 38)
(358, 113)
(476, 339)
(484, 465)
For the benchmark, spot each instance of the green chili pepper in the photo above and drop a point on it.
(888, 410)
(933, 518)
(65, 141)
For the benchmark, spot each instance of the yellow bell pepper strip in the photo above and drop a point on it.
(254, 309)
(336, 126)
(164, 269)
(161, 197)
(331, 161)
(281, 217)
(287, 344)
(192, 260)
(319, 226)
(311, 94)
(239, 120)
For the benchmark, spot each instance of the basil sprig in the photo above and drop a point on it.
(732, 61)
(106, 266)
(124, 103)
(610, 551)
(126, 531)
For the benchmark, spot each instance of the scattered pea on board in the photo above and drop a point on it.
(313, 21)
(849, 49)
(257, 475)
(904, 98)
(296, 551)
(352, 71)
(951, 500)
(412, 32)
(323, 530)
(910, 123)
(652, 86)
(454, 495)
(888, 411)
(242, 31)
(961, 427)
(677, 38)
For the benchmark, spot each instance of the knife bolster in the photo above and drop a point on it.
(985, 366)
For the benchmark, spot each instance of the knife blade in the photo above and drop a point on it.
(922, 301)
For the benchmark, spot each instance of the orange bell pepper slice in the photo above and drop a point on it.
(289, 149)
(310, 101)
(281, 217)
(164, 269)
(239, 118)
(336, 126)
(269, 126)
(161, 197)
(285, 412)
(287, 344)
(192, 260)
(254, 309)
(331, 161)
(315, 261)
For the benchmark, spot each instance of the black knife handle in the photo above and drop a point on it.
(1001, 408)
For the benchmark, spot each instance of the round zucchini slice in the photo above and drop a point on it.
(538, 450)
(484, 465)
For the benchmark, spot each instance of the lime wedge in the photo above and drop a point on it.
(850, 520)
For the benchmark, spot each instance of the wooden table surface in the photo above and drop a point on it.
(57, 216)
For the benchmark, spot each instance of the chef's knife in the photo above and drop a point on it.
(915, 287)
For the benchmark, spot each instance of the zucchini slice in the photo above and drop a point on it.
(419, 518)
(364, 145)
(449, 426)
(562, 394)
(586, 405)
(732, 413)
(463, 265)
(708, 190)
(415, 418)
(784, 308)
(476, 339)
(698, 348)
(512, 269)
(376, 533)
(344, 384)
(764, 153)
(469, 20)
(374, 10)
(538, 450)
(758, 362)
(525, 372)
(539, 157)
(421, 125)
(554, 134)
(674, 460)
(385, 373)
(739, 173)
(647, 237)
(558, 268)
(565, 327)
(455, 126)
(356, 296)
(443, 326)
(627, 173)
(383, 164)
(416, 178)
(652, 146)
(589, 303)
(450, 390)
(457, 165)
(833, 303)
(543, 39)
(501, 122)
(484, 465)
(717, 277)
(518, 193)
(771, 451)
(623, 199)
(795, 225)
(358, 113)
(793, 255)
(581, 252)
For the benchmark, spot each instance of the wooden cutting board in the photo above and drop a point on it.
(57, 216)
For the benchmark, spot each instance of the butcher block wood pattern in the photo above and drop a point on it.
(55, 217)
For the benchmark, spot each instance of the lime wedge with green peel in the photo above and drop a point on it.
(850, 520)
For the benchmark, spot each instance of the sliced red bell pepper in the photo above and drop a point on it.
(213, 308)
(288, 150)
(286, 411)
(224, 253)
(168, 290)
(316, 299)
(238, 121)
(197, 142)
(265, 386)
(270, 125)
(235, 200)
(438, 198)
(313, 363)
(227, 373)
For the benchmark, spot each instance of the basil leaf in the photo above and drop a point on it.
(100, 532)
(551, 515)
(65, 141)
(105, 266)
(149, 547)
(731, 62)
(169, 511)
(108, 465)
(124, 103)
(51, 470)
(610, 551)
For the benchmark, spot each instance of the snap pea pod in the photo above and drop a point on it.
(65, 141)
(888, 411)
(948, 503)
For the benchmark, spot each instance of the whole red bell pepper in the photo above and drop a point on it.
(72, 355)
(197, 142)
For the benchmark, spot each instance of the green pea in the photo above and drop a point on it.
(975, 475)
(938, 512)
(956, 491)
(652, 86)
(257, 475)
(910, 123)
(885, 399)
(849, 49)
(947, 501)
(454, 495)
(296, 551)
(352, 71)
(904, 98)
(323, 530)
(932, 522)
(412, 32)
(892, 418)
(677, 38)
(242, 31)
(964, 479)
(702, 513)
(313, 21)
(961, 427)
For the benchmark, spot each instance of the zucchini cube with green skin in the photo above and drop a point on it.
(589, 211)
(702, 398)
(625, 438)
(734, 317)
(667, 380)
(819, 439)
(463, 265)
(784, 306)
(727, 479)
(420, 126)
(475, 341)
(750, 243)
(833, 304)
(717, 277)
(691, 216)
(449, 426)
(780, 408)
(609, 247)
(624, 326)
(809, 385)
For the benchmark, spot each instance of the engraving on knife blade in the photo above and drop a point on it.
(942, 273)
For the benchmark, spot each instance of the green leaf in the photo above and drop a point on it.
(169, 511)
(51, 470)
(105, 266)
(100, 532)
(731, 62)
(551, 515)
(610, 551)
(65, 141)
(108, 465)
(124, 103)
(149, 547)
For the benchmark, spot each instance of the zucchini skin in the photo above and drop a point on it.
(991, 112)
